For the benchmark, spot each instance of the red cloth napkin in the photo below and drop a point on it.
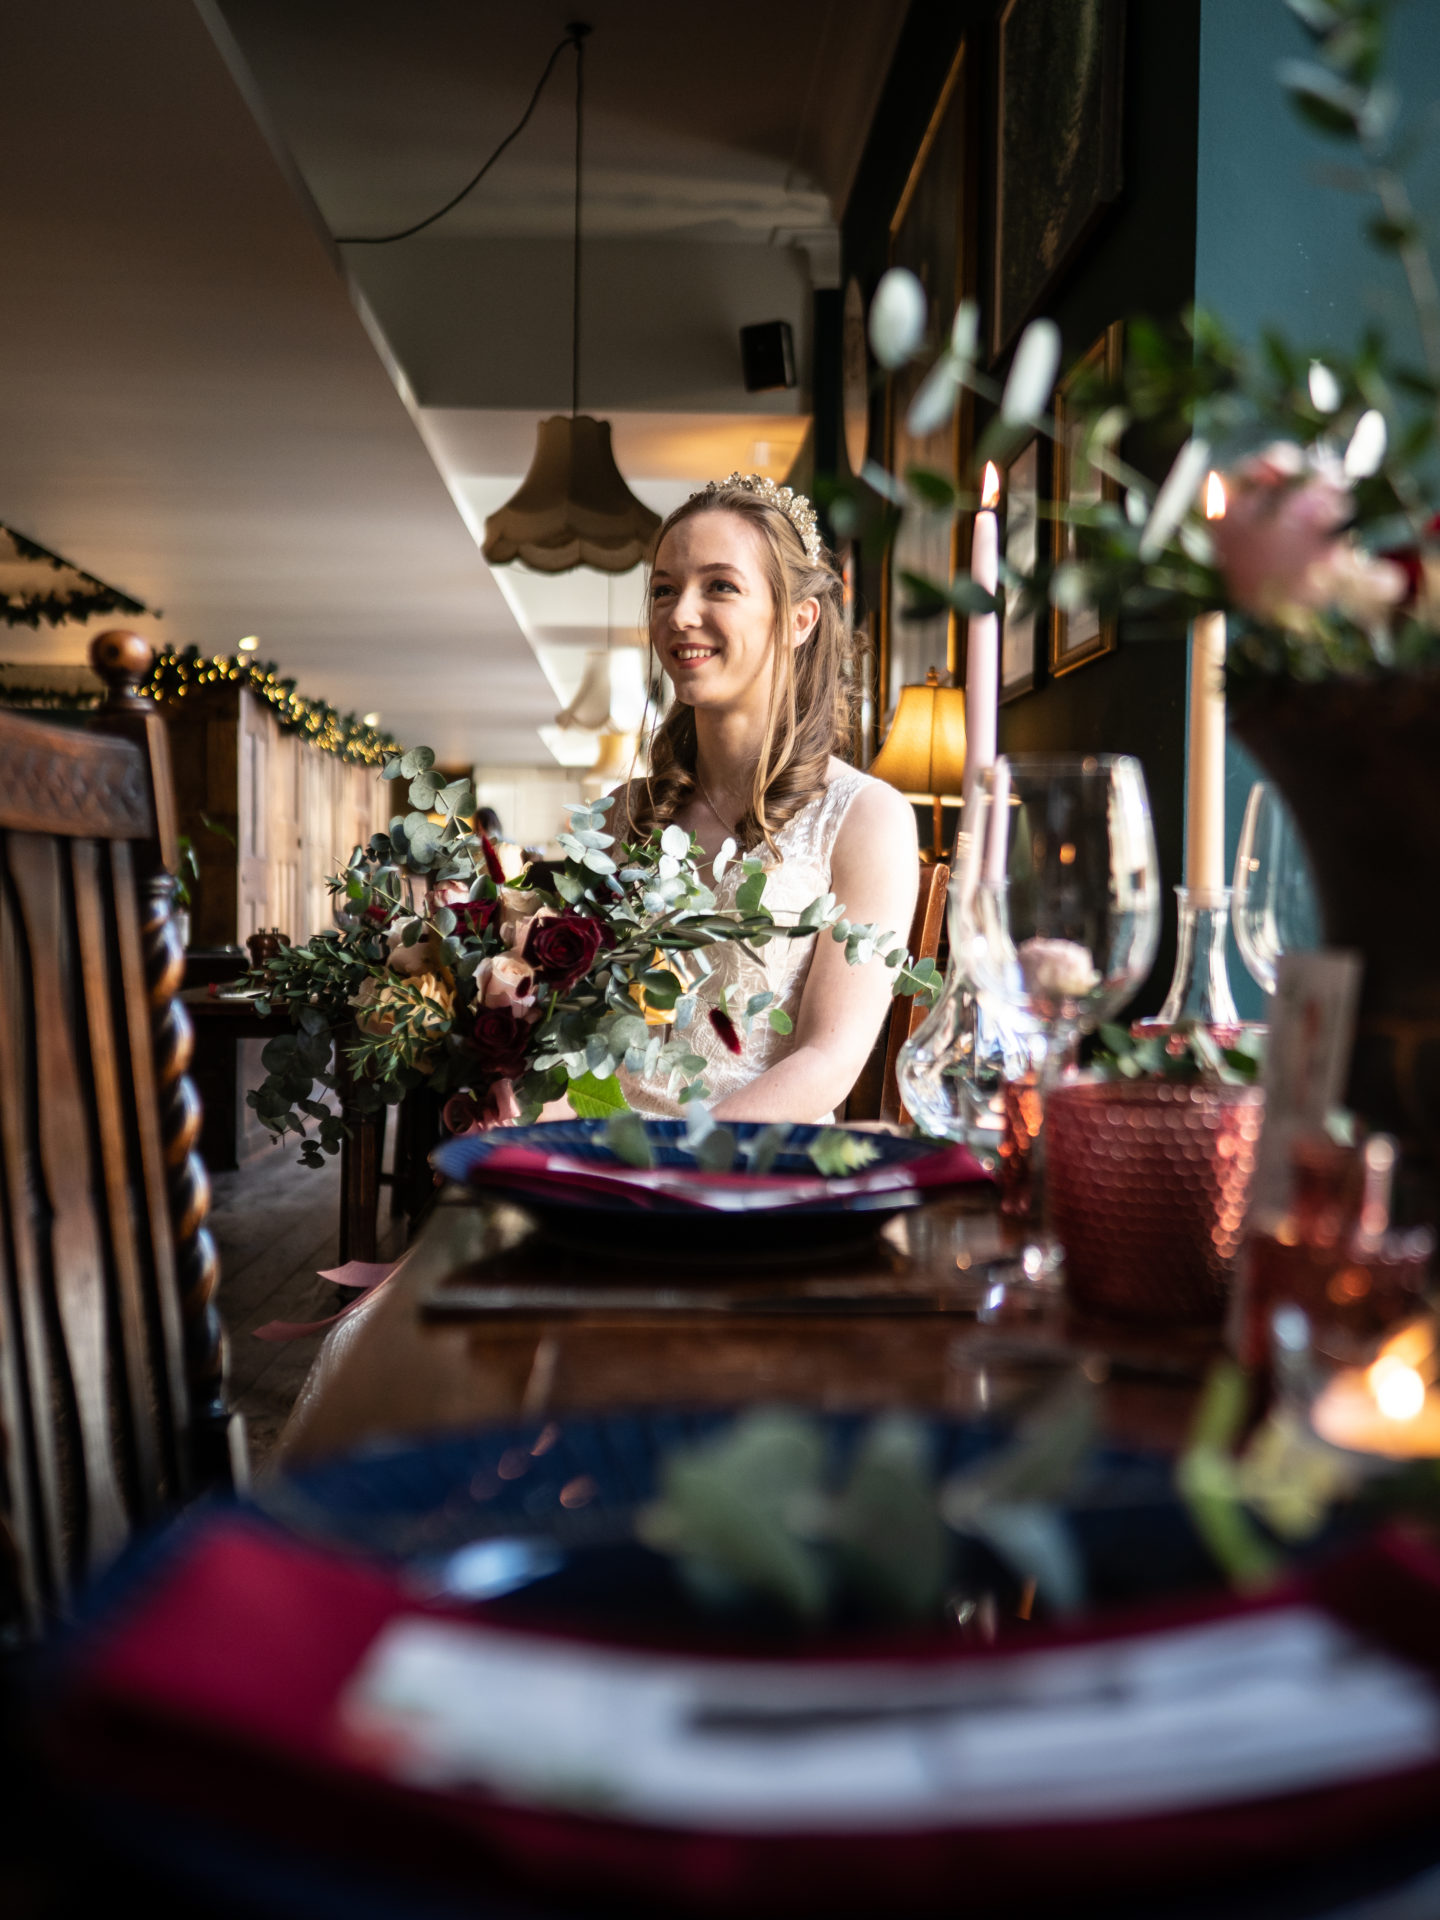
(532, 1170)
(215, 1690)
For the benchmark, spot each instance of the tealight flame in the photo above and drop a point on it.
(1399, 1390)
(990, 486)
(1214, 497)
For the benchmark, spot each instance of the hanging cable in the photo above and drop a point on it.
(577, 32)
(574, 37)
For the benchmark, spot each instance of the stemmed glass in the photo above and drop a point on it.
(1065, 918)
(1272, 906)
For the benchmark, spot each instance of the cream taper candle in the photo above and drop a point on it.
(1205, 756)
(982, 654)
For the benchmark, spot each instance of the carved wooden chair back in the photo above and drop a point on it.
(111, 1357)
(907, 1015)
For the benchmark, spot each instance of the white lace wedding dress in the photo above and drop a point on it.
(800, 875)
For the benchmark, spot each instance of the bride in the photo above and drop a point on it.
(746, 617)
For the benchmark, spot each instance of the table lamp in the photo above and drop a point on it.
(924, 752)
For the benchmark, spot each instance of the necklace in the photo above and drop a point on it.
(705, 796)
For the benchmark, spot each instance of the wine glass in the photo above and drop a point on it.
(1065, 918)
(1272, 903)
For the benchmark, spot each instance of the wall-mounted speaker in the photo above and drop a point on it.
(767, 354)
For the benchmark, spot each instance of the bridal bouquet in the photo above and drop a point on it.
(505, 995)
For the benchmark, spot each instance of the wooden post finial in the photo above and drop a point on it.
(122, 661)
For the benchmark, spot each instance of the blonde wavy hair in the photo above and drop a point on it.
(811, 690)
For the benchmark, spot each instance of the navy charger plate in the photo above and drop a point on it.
(817, 1228)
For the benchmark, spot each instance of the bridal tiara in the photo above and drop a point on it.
(795, 507)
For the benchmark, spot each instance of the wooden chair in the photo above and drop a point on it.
(876, 1095)
(111, 1352)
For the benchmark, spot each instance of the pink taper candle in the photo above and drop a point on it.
(982, 655)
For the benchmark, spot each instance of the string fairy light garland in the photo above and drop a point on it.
(175, 676)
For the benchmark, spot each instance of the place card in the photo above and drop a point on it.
(1307, 1062)
(1274, 1701)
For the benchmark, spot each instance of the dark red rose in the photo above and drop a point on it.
(1408, 558)
(562, 947)
(501, 1040)
(492, 858)
(461, 1113)
(473, 916)
(725, 1027)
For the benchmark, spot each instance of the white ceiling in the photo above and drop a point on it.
(201, 408)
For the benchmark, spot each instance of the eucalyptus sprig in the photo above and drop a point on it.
(1368, 418)
(1185, 1054)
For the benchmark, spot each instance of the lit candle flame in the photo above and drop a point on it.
(990, 486)
(1399, 1390)
(1214, 497)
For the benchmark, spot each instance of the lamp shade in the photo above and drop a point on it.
(612, 692)
(573, 508)
(924, 752)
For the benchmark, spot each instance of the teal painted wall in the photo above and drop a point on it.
(1275, 243)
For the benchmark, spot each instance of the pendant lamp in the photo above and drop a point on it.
(573, 508)
(620, 759)
(612, 693)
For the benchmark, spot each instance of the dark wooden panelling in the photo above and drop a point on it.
(111, 1357)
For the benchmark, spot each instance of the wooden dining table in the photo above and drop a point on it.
(486, 1321)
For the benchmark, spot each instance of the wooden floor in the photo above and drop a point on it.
(276, 1224)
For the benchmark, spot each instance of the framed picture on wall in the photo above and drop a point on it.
(931, 233)
(1081, 635)
(1022, 520)
(1059, 159)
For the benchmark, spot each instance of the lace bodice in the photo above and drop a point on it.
(800, 875)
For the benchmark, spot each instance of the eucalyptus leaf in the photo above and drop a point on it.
(1176, 496)
(751, 892)
(1032, 373)
(897, 317)
(627, 1139)
(936, 399)
(716, 1152)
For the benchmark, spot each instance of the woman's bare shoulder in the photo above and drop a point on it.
(873, 806)
(621, 817)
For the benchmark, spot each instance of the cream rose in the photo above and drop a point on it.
(425, 955)
(506, 981)
(1057, 969)
(520, 907)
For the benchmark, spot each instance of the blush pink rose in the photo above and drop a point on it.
(447, 893)
(1280, 522)
(506, 981)
(520, 908)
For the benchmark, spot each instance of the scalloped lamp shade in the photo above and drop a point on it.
(924, 752)
(573, 508)
(612, 692)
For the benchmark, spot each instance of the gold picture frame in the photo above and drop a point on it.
(1079, 637)
(933, 233)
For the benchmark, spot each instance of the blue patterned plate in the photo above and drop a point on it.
(656, 1225)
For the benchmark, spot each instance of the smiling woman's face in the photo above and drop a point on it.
(712, 616)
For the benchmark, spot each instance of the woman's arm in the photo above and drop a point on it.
(875, 874)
